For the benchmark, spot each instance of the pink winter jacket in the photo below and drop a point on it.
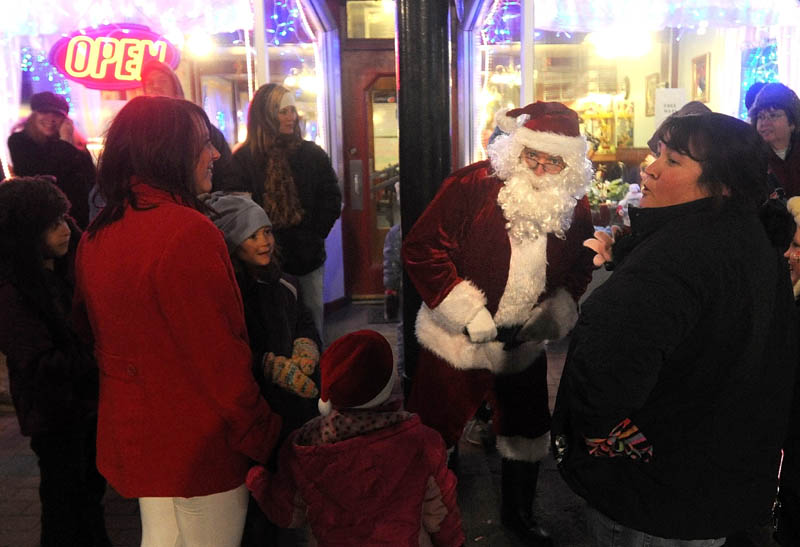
(390, 486)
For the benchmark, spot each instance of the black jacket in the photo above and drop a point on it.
(53, 375)
(275, 318)
(302, 247)
(693, 339)
(73, 169)
(222, 166)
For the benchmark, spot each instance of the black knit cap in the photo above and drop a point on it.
(49, 102)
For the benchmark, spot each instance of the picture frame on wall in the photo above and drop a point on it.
(650, 85)
(701, 78)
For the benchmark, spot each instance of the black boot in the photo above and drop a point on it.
(518, 490)
(453, 459)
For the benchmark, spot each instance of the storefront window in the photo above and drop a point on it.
(294, 61)
(623, 70)
(223, 80)
(620, 71)
(294, 67)
(292, 54)
(498, 74)
(371, 19)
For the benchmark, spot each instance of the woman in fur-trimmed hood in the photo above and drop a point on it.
(52, 373)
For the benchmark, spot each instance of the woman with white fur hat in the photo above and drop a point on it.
(380, 477)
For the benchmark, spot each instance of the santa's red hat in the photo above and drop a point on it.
(551, 128)
(357, 372)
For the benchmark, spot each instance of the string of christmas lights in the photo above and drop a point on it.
(759, 64)
(43, 76)
(502, 23)
(284, 23)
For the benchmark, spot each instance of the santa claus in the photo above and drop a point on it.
(498, 260)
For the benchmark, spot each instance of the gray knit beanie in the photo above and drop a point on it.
(239, 217)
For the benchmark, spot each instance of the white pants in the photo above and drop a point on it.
(311, 291)
(216, 520)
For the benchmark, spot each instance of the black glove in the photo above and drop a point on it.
(391, 305)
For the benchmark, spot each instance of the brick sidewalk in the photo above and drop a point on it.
(19, 495)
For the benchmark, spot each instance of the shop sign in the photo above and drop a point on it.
(111, 56)
(668, 100)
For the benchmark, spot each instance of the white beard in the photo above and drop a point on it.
(539, 205)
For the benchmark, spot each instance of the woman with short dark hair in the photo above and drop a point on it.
(776, 116)
(675, 395)
(180, 416)
(52, 373)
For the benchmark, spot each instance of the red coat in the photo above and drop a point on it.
(367, 490)
(180, 413)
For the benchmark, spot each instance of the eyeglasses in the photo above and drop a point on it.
(770, 115)
(551, 164)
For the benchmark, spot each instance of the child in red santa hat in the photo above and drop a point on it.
(366, 472)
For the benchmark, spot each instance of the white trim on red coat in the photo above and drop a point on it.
(459, 351)
(527, 277)
(461, 305)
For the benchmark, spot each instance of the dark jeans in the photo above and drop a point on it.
(70, 489)
(609, 533)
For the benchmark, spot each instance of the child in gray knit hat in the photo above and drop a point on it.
(283, 338)
(287, 355)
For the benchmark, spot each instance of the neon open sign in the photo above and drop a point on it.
(111, 56)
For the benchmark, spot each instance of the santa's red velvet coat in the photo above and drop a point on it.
(458, 255)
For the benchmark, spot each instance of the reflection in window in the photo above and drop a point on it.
(293, 61)
(371, 18)
(500, 75)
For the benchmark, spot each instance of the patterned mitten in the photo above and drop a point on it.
(305, 355)
(287, 375)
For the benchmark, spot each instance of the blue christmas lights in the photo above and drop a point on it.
(283, 24)
(502, 23)
(43, 75)
(759, 64)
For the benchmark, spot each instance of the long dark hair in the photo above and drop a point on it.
(732, 155)
(156, 140)
(29, 206)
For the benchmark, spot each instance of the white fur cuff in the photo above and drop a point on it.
(455, 347)
(461, 305)
(523, 448)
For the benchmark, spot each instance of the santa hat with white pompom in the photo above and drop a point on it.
(357, 372)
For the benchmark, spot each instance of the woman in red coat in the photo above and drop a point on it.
(180, 415)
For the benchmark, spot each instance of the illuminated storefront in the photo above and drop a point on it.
(92, 52)
(623, 65)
